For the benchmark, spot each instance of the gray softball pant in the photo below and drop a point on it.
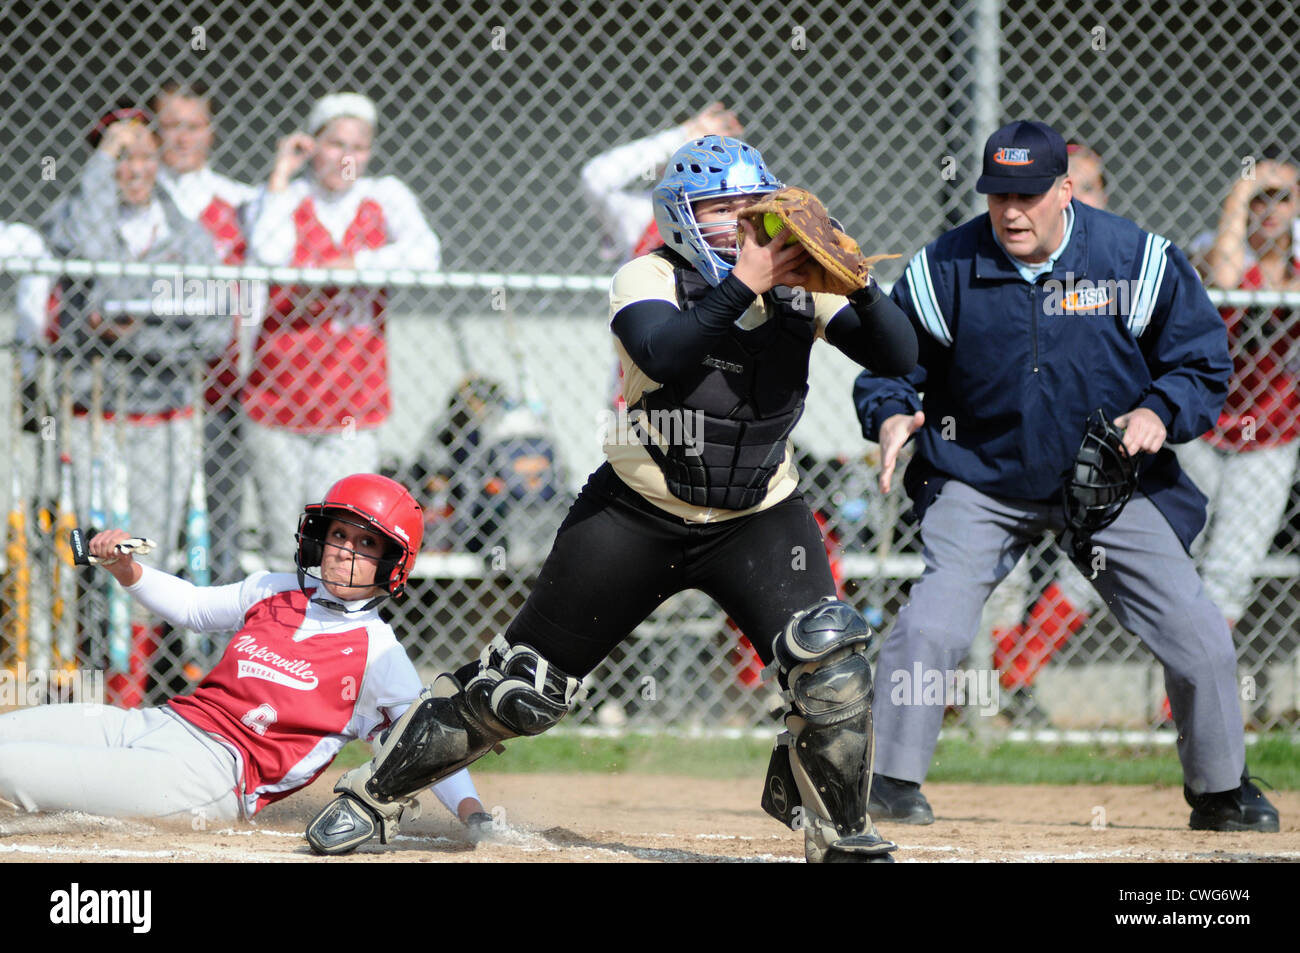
(115, 762)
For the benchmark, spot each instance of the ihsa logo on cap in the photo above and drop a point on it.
(1009, 156)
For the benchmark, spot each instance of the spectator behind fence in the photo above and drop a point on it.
(452, 463)
(221, 205)
(150, 338)
(617, 182)
(318, 388)
(1246, 464)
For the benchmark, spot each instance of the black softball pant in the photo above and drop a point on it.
(616, 557)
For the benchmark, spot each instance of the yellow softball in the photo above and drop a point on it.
(772, 224)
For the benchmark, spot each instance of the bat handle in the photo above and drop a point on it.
(81, 555)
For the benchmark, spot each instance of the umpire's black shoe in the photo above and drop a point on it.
(1242, 809)
(895, 800)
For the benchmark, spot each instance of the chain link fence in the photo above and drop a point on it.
(495, 356)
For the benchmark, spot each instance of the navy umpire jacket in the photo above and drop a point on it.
(1010, 370)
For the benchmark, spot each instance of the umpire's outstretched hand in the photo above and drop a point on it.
(894, 432)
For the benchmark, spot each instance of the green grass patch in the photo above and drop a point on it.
(631, 754)
(1276, 759)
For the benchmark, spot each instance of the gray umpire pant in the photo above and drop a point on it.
(972, 540)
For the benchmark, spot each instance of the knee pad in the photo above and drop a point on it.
(821, 768)
(514, 692)
(518, 692)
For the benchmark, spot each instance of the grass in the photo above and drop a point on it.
(1275, 758)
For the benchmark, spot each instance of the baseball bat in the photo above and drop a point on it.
(44, 490)
(198, 537)
(119, 603)
(79, 539)
(65, 582)
(94, 612)
(18, 570)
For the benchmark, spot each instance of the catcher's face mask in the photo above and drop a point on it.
(717, 221)
(703, 169)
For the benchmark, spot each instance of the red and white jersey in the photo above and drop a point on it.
(299, 680)
(214, 201)
(1263, 404)
(618, 184)
(321, 362)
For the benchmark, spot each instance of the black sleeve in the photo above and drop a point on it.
(875, 332)
(665, 341)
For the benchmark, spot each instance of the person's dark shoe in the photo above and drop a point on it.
(895, 800)
(1243, 808)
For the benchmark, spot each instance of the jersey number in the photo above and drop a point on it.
(260, 718)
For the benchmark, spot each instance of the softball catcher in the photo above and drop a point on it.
(714, 333)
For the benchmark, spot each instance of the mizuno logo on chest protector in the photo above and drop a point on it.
(722, 365)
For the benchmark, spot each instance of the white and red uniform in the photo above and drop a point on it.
(321, 363)
(1246, 464)
(215, 202)
(318, 387)
(618, 183)
(300, 679)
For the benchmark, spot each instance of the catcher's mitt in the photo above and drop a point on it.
(1098, 484)
(838, 264)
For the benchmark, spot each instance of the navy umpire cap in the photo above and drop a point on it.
(1023, 157)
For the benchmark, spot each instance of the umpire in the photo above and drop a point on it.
(1030, 318)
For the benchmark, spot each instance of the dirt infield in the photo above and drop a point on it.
(639, 818)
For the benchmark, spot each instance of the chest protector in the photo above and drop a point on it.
(726, 420)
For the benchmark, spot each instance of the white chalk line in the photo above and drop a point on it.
(117, 852)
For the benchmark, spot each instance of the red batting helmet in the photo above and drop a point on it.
(374, 502)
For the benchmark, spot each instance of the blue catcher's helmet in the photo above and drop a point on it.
(706, 168)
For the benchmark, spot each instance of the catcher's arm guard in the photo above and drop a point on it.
(838, 265)
(1096, 487)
